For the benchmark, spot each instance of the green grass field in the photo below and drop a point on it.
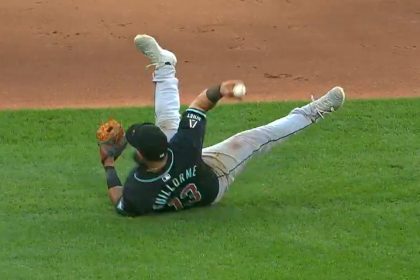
(341, 200)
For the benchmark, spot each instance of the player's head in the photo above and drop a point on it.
(148, 140)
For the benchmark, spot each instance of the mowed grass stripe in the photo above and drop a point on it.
(338, 201)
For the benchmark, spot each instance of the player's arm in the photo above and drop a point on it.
(192, 126)
(208, 98)
(113, 181)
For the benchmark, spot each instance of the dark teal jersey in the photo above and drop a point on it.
(185, 181)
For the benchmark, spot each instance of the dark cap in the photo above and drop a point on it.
(148, 139)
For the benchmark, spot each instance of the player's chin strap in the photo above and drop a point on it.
(321, 112)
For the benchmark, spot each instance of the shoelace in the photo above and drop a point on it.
(319, 111)
(152, 64)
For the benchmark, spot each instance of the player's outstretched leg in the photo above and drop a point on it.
(167, 102)
(229, 157)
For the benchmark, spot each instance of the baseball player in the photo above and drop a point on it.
(173, 171)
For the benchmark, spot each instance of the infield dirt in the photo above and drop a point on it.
(80, 53)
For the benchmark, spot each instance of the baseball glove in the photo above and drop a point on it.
(111, 139)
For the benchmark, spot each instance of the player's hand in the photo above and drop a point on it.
(106, 160)
(109, 162)
(226, 88)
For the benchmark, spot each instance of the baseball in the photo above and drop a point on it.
(239, 90)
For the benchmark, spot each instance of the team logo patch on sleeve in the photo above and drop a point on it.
(192, 123)
(193, 119)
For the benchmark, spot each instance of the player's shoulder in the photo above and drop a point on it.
(139, 193)
(139, 177)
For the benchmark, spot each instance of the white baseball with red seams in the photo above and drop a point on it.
(239, 90)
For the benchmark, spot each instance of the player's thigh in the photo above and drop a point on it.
(232, 152)
(223, 178)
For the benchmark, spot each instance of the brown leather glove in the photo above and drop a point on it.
(111, 140)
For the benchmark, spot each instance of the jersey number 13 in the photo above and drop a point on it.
(188, 196)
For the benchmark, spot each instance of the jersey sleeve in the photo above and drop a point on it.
(191, 130)
(124, 209)
(120, 208)
(137, 198)
(124, 205)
